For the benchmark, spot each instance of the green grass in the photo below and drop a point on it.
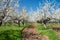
(11, 32)
(52, 24)
(10, 35)
(46, 31)
(12, 27)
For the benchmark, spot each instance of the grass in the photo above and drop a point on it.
(46, 31)
(10, 35)
(53, 24)
(11, 32)
(50, 33)
(14, 29)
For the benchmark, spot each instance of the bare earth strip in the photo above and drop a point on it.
(30, 33)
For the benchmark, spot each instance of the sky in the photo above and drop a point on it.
(28, 4)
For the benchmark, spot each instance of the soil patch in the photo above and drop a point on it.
(30, 33)
(56, 28)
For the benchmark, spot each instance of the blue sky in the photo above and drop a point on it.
(28, 4)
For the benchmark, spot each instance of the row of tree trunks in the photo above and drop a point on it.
(44, 21)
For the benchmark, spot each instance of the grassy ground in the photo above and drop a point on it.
(11, 32)
(12, 27)
(48, 32)
(53, 24)
(15, 29)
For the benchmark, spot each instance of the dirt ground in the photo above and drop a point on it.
(30, 33)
